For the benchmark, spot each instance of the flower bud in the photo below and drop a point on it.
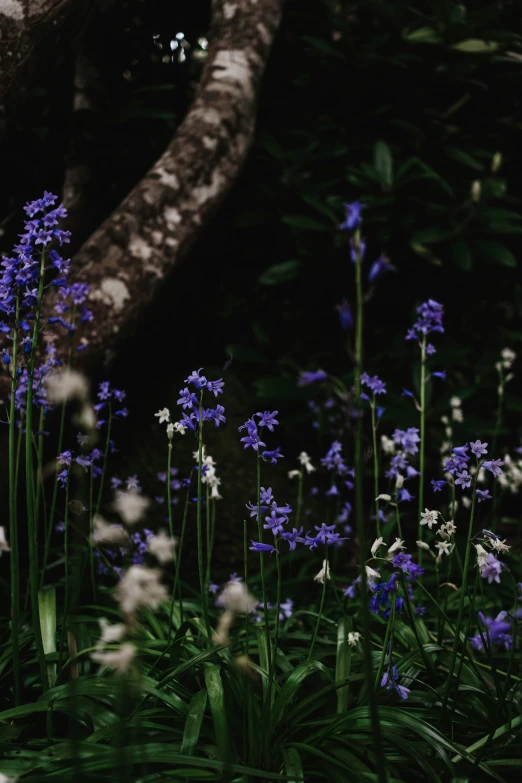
(476, 189)
(496, 163)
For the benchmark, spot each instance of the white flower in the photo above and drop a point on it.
(481, 555)
(140, 586)
(131, 506)
(443, 548)
(383, 497)
(353, 638)
(499, 545)
(163, 415)
(455, 402)
(293, 473)
(429, 518)
(422, 545)
(508, 357)
(399, 481)
(395, 546)
(4, 546)
(376, 544)
(371, 573)
(466, 502)
(323, 573)
(170, 431)
(444, 419)
(449, 528)
(86, 419)
(457, 415)
(236, 598)
(221, 635)
(214, 492)
(109, 534)
(111, 633)
(179, 428)
(162, 547)
(6, 779)
(304, 459)
(66, 385)
(121, 658)
(387, 445)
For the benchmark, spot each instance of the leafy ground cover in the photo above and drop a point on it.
(370, 630)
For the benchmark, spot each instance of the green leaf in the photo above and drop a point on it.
(290, 688)
(460, 254)
(47, 611)
(465, 158)
(193, 723)
(496, 252)
(476, 46)
(383, 162)
(293, 767)
(280, 273)
(425, 253)
(306, 223)
(422, 35)
(216, 698)
(430, 235)
(343, 663)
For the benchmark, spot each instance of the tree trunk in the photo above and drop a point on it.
(128, 257)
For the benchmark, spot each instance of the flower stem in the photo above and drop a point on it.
(105, 458)
(13, 526)
(359, 515)
(375, 470)
(321, 606)
(178, 561)
(262, 561)
(463, 591)
(199, 526)
(29, 482)
(422, 438)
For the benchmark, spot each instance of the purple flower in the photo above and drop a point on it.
(266, 495)
(375, 385)
(482, 494)
(187, 399)
(405, 496)
(215, 415)
(258, 547)
(353, 216)
(430, 350)
(491, 568)
(272, 456)
(461, 451)
(440, 374)
(407, 439)
(216, 387)
(267, 419)
(478, 448)
(430, 320)
(293, 538)
(307, 378)
(438, 485)
(464, 479)
(345, 315)
(199, 381)
(379, 267)
(275, 523)
(493, 466)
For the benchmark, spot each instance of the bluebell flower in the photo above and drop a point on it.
(272, 456)
(411, 472)
(187, 399)
(461, 451)
(430, 320)
(493, 466)
(258, 547)
(266, 495)
(379, 267)
(482, 494)
(267, 419)
(375, 385)
(407, 439)
(216, 387)
(438, 484)
(464, 479)
(354, 248)
(197, 380)
(404, 496)
(215, 415)
(353, 216)
(430, 349)
(407, 566)
(440, 374)
(478, 448)
(308, 378)
(293, 538)
(345, 315)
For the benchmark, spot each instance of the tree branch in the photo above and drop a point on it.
(128, 257)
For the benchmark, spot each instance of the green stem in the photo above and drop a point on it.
(199, 526)
(375, 469)
(385, 646)
(463, 592)
(321, 606)
(420, 531)
(262, 562)
(178, 560)
(91, 532)
(29, 482)
(13, 522)
(359, 515)
(105, 458)
(299, 497)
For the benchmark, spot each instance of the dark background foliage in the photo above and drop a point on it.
(403, 106)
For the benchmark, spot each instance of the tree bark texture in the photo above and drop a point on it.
(128, 257)
(23, 24)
